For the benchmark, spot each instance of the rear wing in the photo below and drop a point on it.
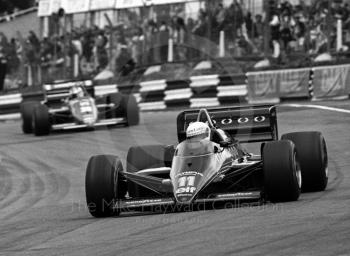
(61, 90)
(246, 124)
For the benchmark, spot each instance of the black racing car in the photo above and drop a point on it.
(76, 105)
(214, 170)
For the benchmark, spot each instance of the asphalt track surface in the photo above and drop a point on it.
(43, 212)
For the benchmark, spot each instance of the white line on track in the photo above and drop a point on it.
(341, 110)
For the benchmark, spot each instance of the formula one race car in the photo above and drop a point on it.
(210, 165)
(72, 105)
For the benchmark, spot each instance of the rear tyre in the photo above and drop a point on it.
(27, 109)
(118, 110)
(282, 176)
(132, 111)
(313, 159)
(104, 184)
(41, 120)
(145, 157)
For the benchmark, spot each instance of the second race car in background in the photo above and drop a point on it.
(73, 105)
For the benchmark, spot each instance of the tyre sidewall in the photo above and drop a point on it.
(131, 108)
(103, 185)
(26, 109)
(280, 171)
(313, 158)
(41, 120)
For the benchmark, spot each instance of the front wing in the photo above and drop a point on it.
(101, 122)
(170, 203)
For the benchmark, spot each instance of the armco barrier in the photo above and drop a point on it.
(130, 89)
(293, 83)
(9, 104)
(232, 89)
(214, 90)
(262, 87)
(331, 81)
(272, 86)
(199, 91)
(204, 89)
(178, 93)
(153, 92)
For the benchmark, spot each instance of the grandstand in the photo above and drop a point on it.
(86, 37)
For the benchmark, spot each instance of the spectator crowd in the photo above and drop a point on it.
(143, 41)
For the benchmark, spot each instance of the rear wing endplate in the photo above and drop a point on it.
(246, 124)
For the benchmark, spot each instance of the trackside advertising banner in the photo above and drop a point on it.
(122, 4)
(262, 86)
(294, 83)
(47, 7)
(331, 81)
(273, 85)
(44, 8)
(76, 6)
(102, 4)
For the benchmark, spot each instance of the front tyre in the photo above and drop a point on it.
(282, 176)
(117, 111)
(41, 120)
(132, 110)
(312, 156)
(104, 184)
(26, 110)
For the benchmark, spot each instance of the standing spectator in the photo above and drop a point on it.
(249, 24)
(199, 31)
(151, 41)
(3, 59)
(124, 63)
(137, 45)
(286, 32)
(34, 40)
(220, 17)
(12, 57)
(100, 52)
(118, 43)
(163, 41)
(4, 44)
(3, 68)
(258, 28)
(235, 17)
(88, 45)
(275, 35)
(300, 32)
(30, 59)
(32, 50)
(180, 38)
(46, 58)
(318, 41)
(191, 49)
(20, 54)
(243, 44)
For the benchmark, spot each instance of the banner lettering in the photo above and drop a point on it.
(262, 86)
(294, 83)
(331, 81)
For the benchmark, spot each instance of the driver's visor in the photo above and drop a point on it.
(199, 137)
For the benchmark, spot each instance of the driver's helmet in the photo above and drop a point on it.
(198, 131)
(77, 92)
